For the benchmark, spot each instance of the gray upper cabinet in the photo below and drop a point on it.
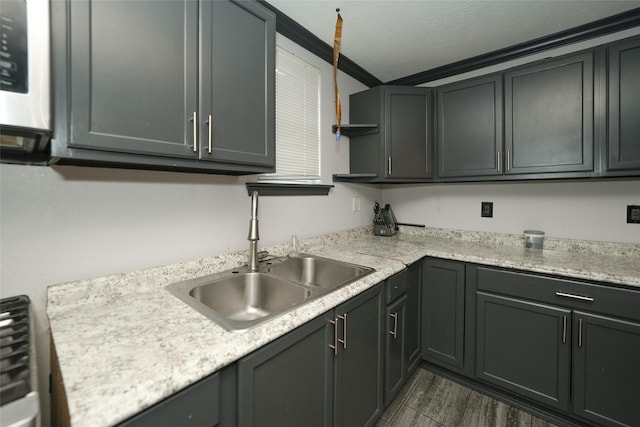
(133, 90)
(549, 116)
(237, 102)
(624, 106)
(402, 148)
(469, 136)
(181, 85)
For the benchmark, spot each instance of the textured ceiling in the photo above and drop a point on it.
(396, 38)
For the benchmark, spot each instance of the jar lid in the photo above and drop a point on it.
(534, 232)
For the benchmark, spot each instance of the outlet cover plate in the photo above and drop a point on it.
(487, 210)
(633, 214)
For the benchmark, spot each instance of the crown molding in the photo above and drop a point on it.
(584, 32)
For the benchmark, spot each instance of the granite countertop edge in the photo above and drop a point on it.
(123, 344)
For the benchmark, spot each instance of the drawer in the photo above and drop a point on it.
(569, 293)
(397, 285)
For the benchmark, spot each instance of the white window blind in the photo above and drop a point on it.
(297, 119)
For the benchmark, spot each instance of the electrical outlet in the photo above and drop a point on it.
(356, 204)
(487, 210)
(633, 214)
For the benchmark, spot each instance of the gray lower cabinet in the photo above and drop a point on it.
(210, 402)
(327, 372)
(470, 121)
(569, 345)
(549, 116)
(167, 90)
(402, 329)
(359, 364)
(395, 369)
(290, 381)
(624, 106)
(413, 327)
(443, 312)
(402, 147)
(606, 372)
(523, 347)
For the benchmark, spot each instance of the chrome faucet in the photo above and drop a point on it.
(254, 236)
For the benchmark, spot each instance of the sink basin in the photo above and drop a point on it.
(317, 271)
(241, 300)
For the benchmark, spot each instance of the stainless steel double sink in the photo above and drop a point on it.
(240, 299)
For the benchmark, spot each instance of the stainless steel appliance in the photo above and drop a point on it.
(25, 110)
(19, 406)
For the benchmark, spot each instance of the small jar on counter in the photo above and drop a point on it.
(533, 239)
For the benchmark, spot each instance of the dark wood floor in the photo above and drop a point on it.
(430, 400)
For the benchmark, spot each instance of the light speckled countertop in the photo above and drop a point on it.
(125, 343)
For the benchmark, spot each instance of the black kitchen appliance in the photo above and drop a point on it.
(385, 222)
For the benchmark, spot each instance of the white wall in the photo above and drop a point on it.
(589, 210)
(67, 223)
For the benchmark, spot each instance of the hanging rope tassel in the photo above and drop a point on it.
(336, 53)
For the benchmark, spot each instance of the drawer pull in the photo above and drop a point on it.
(579, 297)
(344, 331)
(395, 325)
(580, 333)
(195, 131)
(334, 347)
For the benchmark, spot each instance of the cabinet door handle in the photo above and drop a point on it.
(209, 124)
(573, 296)
(564, 329)
(498, 161)
(195, 132)
(334, 346)
(344, 330)
(579, 333)
(508, 161)
(389, 164)
(395, 325)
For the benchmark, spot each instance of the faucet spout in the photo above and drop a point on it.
(254, 235)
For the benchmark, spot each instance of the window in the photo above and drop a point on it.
(297, 120)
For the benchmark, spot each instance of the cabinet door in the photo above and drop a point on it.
(197, 405)
(359, 365)
(412, 323)
(237, 83)
(407, 132)
(443, 293)
(624, 106)
(549, 116)
(395, 369)
(133, 76)
(524, 347)
(606, 370)
(289, 382)
(470, 128)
